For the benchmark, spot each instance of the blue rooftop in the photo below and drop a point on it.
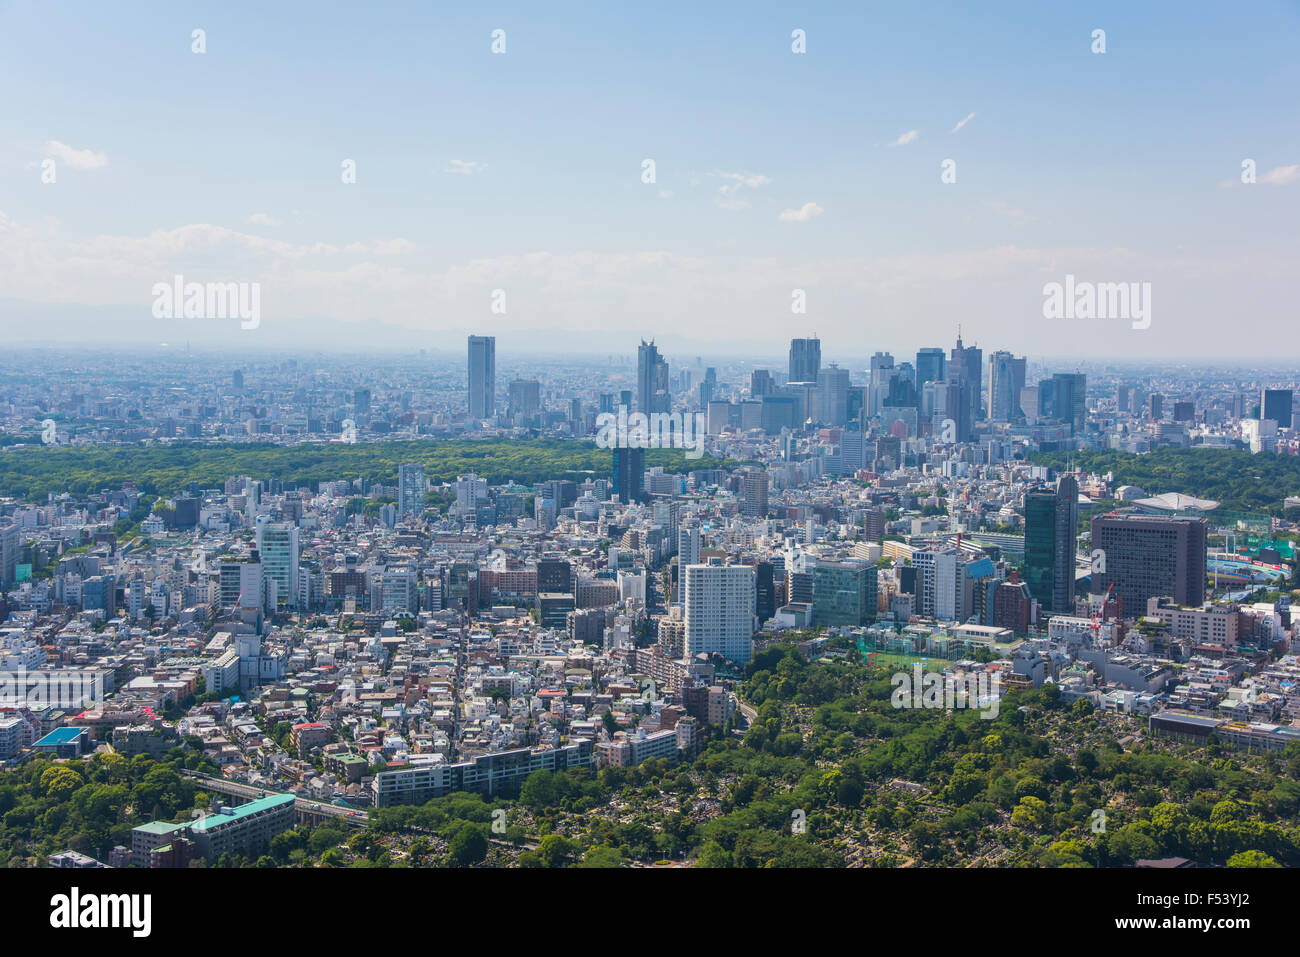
(61, 736)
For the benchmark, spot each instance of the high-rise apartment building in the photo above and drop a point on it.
(754, 493)
(718, 605)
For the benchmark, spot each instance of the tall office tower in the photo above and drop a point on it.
(952, 401)
(1051, 519)
(708, 385)
(688, 545)
(930, 366)
(524, 398)
(1148, 556)
(1071, 399)
(1006, 379)
(882, 373)
(361, 401)
(754, 493)
(1184, 411)
(1157, 406)
(718, 601)
(1275, 404)
(1122, 398)
(971, 361)
(629, 474)
(10, 546)
(833, 395)
(237, 380)
(805, 360)
(277, 544)
(482, 377)
(1031, 402)
(844, 593)
(761, 383)
(651, 380)
(411, 487)
(764, 591)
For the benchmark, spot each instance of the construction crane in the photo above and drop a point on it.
(1100, 613)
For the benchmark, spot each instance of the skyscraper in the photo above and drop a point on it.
(718, 601)
(10, 544)
(930, 366)
(1150, 556)
(833, 395)
(1275, 404)
(277, 544)
(1006, 379)
(524, 398)
(629, 474)
(1051, 518)
(482, 376)
(882, 373)
(411, 486)
(805, 359)
(651, 380)
(970, 360)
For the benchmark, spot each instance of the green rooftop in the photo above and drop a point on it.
(158, 827)
(243, 811)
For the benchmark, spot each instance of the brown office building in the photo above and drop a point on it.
(1150, 557)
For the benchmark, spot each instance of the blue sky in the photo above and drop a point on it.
(522, 171)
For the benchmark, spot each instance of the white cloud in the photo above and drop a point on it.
(961, 123)
(463, 167)
(909, 137)
(263, 219)
(736, 181)
(801, 215)
(74, 158)
(1281, 175)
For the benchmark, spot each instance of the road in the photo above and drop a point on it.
(305, 806)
